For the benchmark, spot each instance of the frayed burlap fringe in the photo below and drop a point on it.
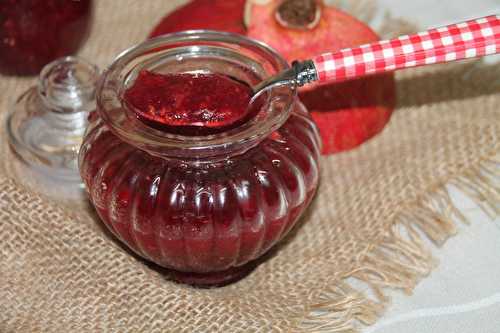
(402, 258)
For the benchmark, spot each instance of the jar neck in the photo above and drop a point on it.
(195, 51)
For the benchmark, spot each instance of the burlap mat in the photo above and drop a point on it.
(60, 272)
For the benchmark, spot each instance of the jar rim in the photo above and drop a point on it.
(112, 109)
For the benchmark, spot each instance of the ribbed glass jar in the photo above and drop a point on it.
(206, 206)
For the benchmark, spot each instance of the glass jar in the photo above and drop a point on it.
(203, 206)
(46, 125)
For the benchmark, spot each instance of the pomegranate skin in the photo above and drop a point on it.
(206, 224)
(36, 32)
(222, 15)
(347, 113)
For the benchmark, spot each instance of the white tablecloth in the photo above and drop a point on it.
(463, 294)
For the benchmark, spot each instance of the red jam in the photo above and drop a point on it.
(189, 104)
(205, 207)
(35, 32)
(206, 223)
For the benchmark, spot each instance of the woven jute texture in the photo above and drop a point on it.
(365, 232)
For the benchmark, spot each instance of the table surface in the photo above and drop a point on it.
(463, 294)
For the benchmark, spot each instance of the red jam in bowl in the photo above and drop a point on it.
(205, 207)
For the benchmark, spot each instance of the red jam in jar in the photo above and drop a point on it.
(205, 206)
(189, 104)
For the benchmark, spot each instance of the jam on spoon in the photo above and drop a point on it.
(190, 103)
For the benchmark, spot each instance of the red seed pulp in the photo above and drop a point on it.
(35, 32)
(189, 104)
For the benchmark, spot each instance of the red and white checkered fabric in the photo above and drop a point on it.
(470, 39)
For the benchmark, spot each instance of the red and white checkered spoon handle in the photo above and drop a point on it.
(470, 39)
